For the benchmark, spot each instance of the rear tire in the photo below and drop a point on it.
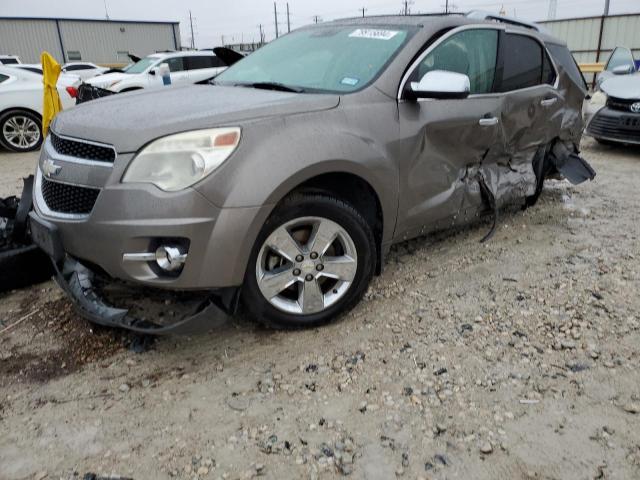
(323, 273)
(20, 131)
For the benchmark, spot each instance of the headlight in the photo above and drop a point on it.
(598, 99)
(178, 161)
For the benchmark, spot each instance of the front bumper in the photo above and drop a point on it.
(615, 126)
(134, 218)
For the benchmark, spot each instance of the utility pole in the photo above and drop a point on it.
(446, 6)
(193, 40)
(317, 19)
(288, 19)
(222, 39)
(553, 8)
(363, 10)
(606, 8)
(261, 35)
(405, 9)
(275, 16)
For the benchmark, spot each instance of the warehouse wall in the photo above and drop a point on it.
(27, 38)
(95, 41)
(100, 42)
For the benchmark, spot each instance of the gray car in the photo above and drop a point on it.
(282, 186)
(613, 115)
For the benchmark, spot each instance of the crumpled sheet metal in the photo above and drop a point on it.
(528, 143)
(78, 282)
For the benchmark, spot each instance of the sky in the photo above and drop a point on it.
(235, 21)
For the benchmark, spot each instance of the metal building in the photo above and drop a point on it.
(105, 42)
(592, 39)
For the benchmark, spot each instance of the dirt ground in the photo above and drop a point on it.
(518, 358)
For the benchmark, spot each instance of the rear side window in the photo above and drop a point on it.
(209, 61)
(3, 78)
(563, 57)
(9, 61)
(72, 68)
(522, 63)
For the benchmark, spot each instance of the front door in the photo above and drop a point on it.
(446, 143)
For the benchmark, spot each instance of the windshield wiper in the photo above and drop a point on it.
(281, 87)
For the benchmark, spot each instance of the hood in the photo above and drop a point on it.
(107, 79)
(626, 87)
(130, 120)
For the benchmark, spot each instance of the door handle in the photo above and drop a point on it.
(547, 102)
(488, 122)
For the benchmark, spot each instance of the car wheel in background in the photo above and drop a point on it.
(20, 131)
(313, 260)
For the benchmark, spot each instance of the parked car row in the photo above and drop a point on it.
(21, 87)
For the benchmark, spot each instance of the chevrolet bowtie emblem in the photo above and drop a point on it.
(50, 169)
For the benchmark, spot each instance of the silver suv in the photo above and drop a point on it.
(282, 186)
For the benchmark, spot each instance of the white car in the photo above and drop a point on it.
(9, 60)
(21, 99)
(185, 68)
(84, 70)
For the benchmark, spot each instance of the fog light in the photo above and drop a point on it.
(170, 259)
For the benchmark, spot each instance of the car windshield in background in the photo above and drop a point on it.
(142, 65)
(338, 59)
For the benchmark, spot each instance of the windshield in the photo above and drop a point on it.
(142, 65)
(338, 59)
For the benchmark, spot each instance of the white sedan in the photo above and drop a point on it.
(21, 99)
(84, 70)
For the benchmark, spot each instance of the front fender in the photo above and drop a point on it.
(277, 156)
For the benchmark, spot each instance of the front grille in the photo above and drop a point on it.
(78, 149)
(63, 198)
(623, 128)
(620, 104)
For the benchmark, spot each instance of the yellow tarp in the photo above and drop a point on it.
(52, 105)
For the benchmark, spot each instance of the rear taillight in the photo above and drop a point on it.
(72, 91)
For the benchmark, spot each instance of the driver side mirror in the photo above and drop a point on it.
(153, 71)
(623, 70)
(440, 84)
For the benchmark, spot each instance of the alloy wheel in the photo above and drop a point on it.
(21, 132)
(306, 265)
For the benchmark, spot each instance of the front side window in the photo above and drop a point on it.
(9, 61)
(3, 77)
(336, 58)
(619, 58)
(72, 68)
(523, 58)
(470, 52)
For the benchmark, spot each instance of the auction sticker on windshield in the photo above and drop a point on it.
(374, 33)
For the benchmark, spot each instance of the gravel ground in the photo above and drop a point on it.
(14, 167)
(513, 359)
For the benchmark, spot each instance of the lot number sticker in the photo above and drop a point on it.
(374, 33)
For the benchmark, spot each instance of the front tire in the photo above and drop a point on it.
(312, 261)
(20, 131)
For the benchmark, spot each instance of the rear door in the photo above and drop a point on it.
(532, 108)
(203, 67)
(446, 143)
(178, 69)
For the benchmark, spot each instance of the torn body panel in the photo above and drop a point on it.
(79, 282)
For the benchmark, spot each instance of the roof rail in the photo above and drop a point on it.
(482, 15)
